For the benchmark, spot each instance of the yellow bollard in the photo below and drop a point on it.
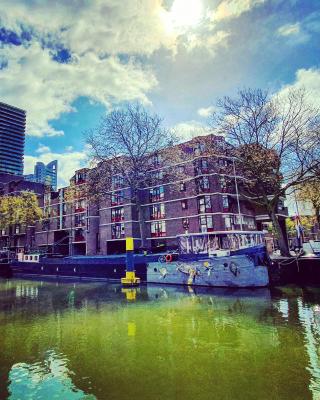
(130, 279)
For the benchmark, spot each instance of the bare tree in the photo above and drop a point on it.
(130, 146)
(276, 142)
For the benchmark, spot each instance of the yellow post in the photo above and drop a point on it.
(130, 279)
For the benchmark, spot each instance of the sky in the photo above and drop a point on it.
(67, 63)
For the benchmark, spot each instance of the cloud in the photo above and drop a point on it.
(42, 148)
(308, 79)
(207, 41)
(228, 9)
(45, 88)
(68, 148)
(189, 129)
(206, 112)
(100, 26)
(289, 29)
(68, 163)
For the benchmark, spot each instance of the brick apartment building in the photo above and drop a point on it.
(204, 200)
(21, 237)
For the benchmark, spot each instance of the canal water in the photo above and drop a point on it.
(96, 341)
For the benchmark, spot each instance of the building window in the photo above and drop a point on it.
(117, 198)
(203, 184)
(206, 223)
(157, 211)
(183, 187)
(185, 224)
(117, 181)
(117, 214)
(158, 229)
(156, 159)
(223, 183)
(184, 204)
(225, 203)
(201, 167)
(156, 194)
(80, 205)
(204, 204)
(181, 169)
(157, 175)
(79, 235)
(80, 220)
(117, 231)
(199, 149)
(80, 177)
(250, 222)
(17, 229)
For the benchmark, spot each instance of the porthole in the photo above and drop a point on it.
(155, 269)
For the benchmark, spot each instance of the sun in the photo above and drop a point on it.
(186, 13)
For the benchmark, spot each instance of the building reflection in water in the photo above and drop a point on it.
(164, 340)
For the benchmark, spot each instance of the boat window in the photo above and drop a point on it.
(200, 244)
(185, 244)
(214, 243)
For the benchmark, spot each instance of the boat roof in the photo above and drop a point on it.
(223, 233)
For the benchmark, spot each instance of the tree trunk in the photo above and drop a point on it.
(141, 224)
(317, 211)
(282, 241)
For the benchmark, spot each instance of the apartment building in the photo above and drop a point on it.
(203, 198)
(18, 237)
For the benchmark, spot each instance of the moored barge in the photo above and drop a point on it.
(215, 259)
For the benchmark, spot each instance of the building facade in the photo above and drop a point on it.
(203, 199)
(18, 237)
(46, 174)
(12, 137)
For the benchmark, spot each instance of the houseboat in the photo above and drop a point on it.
(215, 259)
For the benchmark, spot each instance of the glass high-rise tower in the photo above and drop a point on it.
(46, 174)
(12, 136)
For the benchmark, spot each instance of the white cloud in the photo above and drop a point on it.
(100, 26)
(208, 41)
(289, 29)
(233, 8)
(308, 79)
(189, 129)
(46, 89)
(207, 111)
(68, 163)
(42, 148)
(68, 148)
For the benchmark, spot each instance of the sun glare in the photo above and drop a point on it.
(186, 13)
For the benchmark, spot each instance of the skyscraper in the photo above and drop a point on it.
(46, 174)
(12, 135)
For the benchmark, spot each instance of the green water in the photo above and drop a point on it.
(88, 341)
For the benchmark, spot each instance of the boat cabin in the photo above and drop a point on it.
(217, 242)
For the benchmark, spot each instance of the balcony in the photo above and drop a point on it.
(79, 209)
(158, 234)
(157, 216)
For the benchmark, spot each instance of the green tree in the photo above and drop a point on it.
(310, 191)
(22, 210)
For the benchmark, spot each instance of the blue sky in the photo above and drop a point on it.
(67, 63)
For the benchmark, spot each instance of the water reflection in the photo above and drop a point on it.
(81, 340)
(49, 379)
